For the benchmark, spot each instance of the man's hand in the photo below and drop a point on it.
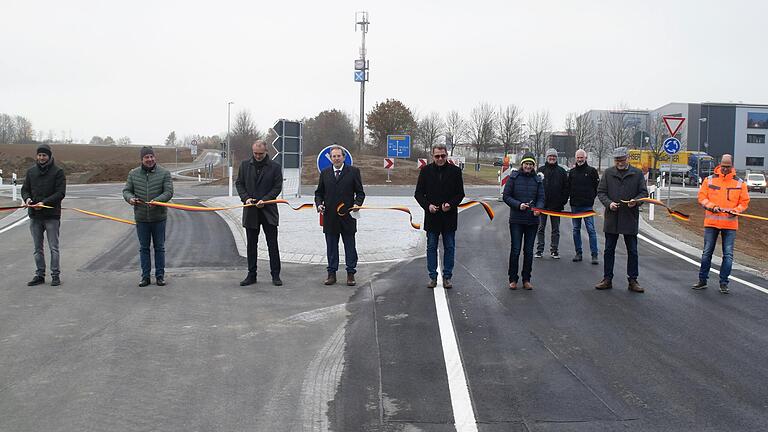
(433, 208)
(134, 201)
(524, 206)
(614, 206)
(28, 202)
(446, 207)
(536, 212)
(716, 209)
(632, 203)
(250, 201)
(321, 208)
(260, 204)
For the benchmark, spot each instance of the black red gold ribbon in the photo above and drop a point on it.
(746, 215)
(488, 210)
(204, 209)
(673, 213)
(567, 215)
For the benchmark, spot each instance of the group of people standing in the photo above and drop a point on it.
(439, 191)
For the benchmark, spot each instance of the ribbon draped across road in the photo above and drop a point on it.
(86, 212)
(567, 215)
(673, 213)
(340, 210)
(204, 209)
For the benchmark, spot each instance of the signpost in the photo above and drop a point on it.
(421, 163)
(13, 180)
(399, 146)
(389, 164)
(671, 146)
(288, 147)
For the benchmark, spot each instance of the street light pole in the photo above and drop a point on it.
(698, 151)
(229, 153)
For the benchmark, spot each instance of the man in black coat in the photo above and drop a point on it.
(439, 191)
(582, 182)
(555, 197)
(44, 184)
(260, 179)
(621, 182)
(339, 185)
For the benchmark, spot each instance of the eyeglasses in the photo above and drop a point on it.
(440, 156)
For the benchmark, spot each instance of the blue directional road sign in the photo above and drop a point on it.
(324, 158)
(399, 146)
(360, 76)
(672, 145)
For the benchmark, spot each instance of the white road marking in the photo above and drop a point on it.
(15, 224)
(463, 412)
(696, 263)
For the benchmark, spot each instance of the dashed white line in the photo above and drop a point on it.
(463, 412)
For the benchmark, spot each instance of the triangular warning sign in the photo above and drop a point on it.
(673, 124)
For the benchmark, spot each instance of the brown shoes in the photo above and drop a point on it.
(331, 279)
(447, 283)
(513, 285)
(351, 279)
(604, 284)
(432, 283)
(527, 285)
(634, 286)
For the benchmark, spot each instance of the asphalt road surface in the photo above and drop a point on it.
(204, 354)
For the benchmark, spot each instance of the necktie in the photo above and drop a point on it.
(337, 174)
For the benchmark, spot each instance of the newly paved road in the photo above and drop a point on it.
(99, 353)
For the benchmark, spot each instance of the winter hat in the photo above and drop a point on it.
(45, 148)
(551, 152)
(528, 157)
(146, 150)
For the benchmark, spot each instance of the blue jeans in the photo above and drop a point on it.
(332, 250)
(589, 222)
(610, 255)
(154, 232)
(51, 229)
(449, 251)
(710, 240)
(522, 237)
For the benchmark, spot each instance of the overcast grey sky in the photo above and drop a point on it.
(144, 68)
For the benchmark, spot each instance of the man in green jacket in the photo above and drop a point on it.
(147, 183)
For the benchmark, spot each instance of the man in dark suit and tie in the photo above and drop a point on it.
(340, 184)
(260, 179)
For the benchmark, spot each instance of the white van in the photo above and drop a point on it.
(756, 182)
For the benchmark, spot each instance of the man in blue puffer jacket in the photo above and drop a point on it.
(523, 191)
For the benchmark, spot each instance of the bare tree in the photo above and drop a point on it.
(658, 133)
(455, 128)
(7, 129)
(599, 145)
(430, 129)
(24, 132)
(510, 125)
(583, 129)
(540, 126)
(481, 128)
(243, 134)
(616, 129)
(123, 141)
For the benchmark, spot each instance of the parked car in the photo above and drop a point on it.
(756, 182)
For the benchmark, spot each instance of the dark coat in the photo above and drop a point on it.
(616, 186)
(583, 181)
(555, 186)
(46, 185)
(348, 189)
(261, 182)
(155, 184)
(436, 186)
(523, 188)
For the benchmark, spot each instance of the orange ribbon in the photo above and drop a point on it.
(414, 225)
(674, 213)
(90, 213)
(201, 208)
(567, 215)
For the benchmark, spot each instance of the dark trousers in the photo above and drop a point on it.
(554, 239)
(332, 249)
(154, 233)
(49, 228)
(522, 237)
(610, 255)
(252, 236)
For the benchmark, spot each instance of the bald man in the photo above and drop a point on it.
(583, 180)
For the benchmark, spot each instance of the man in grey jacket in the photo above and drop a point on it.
(621, 183)
(149, 182)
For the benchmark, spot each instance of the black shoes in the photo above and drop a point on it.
(724, 289)
(160, 281)
(555, 255)
(538, 255)
(37, 280)
(55, 281)
(249, 280)
(577, 258)
(447, 284)
(144, 282)
(594, 260)
(276, 281)
(700, 285)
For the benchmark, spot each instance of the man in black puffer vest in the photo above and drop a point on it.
(556, 195)
(45, 184)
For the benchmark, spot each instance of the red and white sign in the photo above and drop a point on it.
(421, 164)
(673, 124)
(389, 163)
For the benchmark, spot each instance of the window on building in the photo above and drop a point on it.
(755, 161)
(756, 138)
(757, 120)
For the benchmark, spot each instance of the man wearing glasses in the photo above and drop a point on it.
(439, 192)
(260, 179)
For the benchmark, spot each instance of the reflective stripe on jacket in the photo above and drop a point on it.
(727, 192)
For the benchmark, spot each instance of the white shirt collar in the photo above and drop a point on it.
(342, 167)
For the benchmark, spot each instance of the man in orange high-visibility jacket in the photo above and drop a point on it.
(723, 195)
